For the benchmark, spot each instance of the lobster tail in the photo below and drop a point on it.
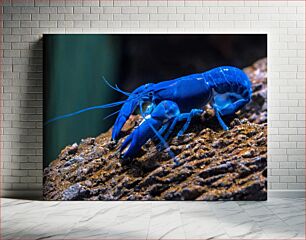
(229, 79)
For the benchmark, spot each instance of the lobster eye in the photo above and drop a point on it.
(150, 94)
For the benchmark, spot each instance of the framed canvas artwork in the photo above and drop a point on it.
(155, 117)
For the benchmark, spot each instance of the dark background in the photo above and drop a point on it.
(74, 66)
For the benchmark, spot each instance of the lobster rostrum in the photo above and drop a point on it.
(227, 89)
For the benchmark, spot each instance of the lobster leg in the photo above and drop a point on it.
(193, 113)
(181, 117)
(162, 130)
(166, 118)
(222, 123)
(160, 146)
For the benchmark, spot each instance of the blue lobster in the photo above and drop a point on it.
(226, 88)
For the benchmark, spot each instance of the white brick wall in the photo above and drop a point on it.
(24, 22)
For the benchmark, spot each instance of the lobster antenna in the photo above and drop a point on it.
(108, 105)
(116, 88)
(166, 145)
(111, 114)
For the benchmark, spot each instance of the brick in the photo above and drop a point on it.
(73, 3)
(29, 10)
(11, 179)
(91, 3)
(277, 186)
(6, 16)
(287, 165)
(129, 10)
(204, 11)
(11, 9)
(56, 30)
(28, 165)
(216, 10)
(167, 24)
(19, 173)
(300, 179)
(176, 17)
(23, 3)
(21, 16)
(193, 3)
(296, 172)
(44, 16)
(57, 17)
(36, 31)
(28, 179)
(223, 24)
(147, 9)
(81, 10)
(42, 2)
(130, 24)
(30, 24)
(37, 173)
(300, 165)
(193, 17)
(296, 186)
(121, 17)
(166, 9)
(21, 31)
(96, 10)
(91, 16)
(73, 16)
(158, 3)
(11, 53)
(57, 3)
(138, 3)
(288, 179)
(64, 10)
(112, 10)
(11, 24)
(65, 24)
(161, 17)
(149, 24)
(185, 9)
(103, 17)
(140, 17)
(20, 46)
(19, 186)
(11, 38)
(98, 24)
(229, 17)
(81, 24)
(280, 172)
(121, 3)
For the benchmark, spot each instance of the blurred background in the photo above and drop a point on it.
(75, 64)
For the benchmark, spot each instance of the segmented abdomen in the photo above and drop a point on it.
(227, 79)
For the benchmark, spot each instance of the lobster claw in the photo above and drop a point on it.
(136, 140)
(164, 111)
(138, 95)
(125, 112)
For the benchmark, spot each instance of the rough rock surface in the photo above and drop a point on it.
(213, 164)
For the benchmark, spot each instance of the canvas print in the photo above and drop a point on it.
(155, 117)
